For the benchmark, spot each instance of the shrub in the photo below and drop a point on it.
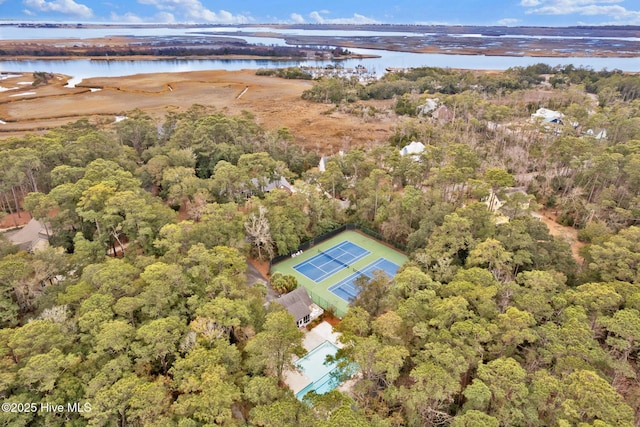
(283, 283)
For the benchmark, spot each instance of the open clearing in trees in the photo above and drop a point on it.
(275, 103)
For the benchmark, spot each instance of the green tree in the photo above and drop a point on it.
(372, 293)
(285, 412)
(618, 258)
(283, 283)
(165, 290)
(590, 398)
(332, 179)
(498, 178)
(137, 131)
(271, 349)
(158, 341)
(228, 182)
(505, 379)
(475, 418)
(436, 383)
(42, 371)
(129, 399)
(207, 392)
(492, 255)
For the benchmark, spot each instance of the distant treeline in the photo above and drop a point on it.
(45, 51)
(431, 80)
(285, 73)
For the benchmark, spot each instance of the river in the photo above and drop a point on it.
(84, 68)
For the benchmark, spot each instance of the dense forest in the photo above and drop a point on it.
(141, 313)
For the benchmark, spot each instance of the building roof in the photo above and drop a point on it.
(429, 105)
(297, 302)
(547, 116)
(443, 114)
(415, 147)
(322, 166)
(281, 184)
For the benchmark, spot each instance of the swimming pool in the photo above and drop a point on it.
(312, 365)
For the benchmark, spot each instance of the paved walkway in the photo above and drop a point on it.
(321, 333)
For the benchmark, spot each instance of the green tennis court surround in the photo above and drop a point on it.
(336, 263)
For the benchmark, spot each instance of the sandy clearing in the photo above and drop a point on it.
(568, 234)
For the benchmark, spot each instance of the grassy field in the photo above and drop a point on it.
(319, 292)
(274, 102)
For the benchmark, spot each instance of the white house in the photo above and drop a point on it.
(322, 166)
(602, 134)
(415, 148)
(547, 116)
(430, 104)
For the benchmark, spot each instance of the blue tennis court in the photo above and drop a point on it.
(328, 262)
(347, 289)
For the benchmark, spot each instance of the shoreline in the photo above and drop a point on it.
(306, 47)
(172, 58)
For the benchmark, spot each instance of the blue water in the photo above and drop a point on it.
(346, 288)
(328, 262)
(312, 365)
(82, 68)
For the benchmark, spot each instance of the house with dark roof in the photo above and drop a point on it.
(299, 305)
(280, 184)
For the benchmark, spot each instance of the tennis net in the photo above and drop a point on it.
(342, 263)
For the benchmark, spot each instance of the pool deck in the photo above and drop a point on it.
(312, 339)
(321, 333)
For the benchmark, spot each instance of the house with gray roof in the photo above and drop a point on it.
(31, 237)
(299, 305)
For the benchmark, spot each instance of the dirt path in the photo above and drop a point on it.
(11, 221)
(569, 234)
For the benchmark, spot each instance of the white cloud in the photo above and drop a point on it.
(194, 11)
(67, 7)
(609, 9)
(508, 21)
(128, 17)
(297, 18)
(355, 19)
(131, 18)
(164, 17)
(316, 17)
(28, 12)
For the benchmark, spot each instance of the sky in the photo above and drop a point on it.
(458, 12)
